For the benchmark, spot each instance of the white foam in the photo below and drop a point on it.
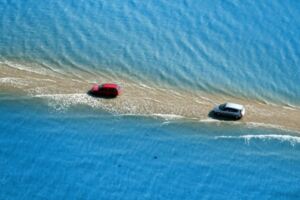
(209, 120)
(202, 103)
(33, 68)
(289, 108)
(145, 86)
(167, 116)
(151, 99)
(257, 124)
(293, 140)
(176, 93)
(14, 81)
(208, 100)
(61, 102)
(272, 126)
(24, 67)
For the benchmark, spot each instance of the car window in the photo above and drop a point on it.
(222, 107)
(110, 90)
(231, 110)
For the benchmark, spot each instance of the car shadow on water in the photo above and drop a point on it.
(91, 94)
(212, 115)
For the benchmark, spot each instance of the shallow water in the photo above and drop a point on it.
(175, 62)
(63, 92)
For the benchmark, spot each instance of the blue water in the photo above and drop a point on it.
(238, 48)
(245, 49)
(86, 154)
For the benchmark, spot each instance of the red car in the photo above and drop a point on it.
(106, 90)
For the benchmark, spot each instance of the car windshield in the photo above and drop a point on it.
(222, 106)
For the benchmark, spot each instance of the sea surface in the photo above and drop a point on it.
(175, 60)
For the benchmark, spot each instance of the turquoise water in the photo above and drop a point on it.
(86, 154)
(240, 48)
(243, 49)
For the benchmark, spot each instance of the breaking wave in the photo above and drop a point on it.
(293, 140)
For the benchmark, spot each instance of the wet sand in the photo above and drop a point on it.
(62, 91)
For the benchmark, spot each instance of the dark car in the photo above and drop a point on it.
(106, 90)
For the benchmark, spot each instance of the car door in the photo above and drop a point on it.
(229, 112)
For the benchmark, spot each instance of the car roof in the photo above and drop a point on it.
(234, 106)
(109, 85)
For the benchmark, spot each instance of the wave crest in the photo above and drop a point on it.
(293, 140)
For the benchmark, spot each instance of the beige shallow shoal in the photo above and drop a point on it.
(142, 99)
